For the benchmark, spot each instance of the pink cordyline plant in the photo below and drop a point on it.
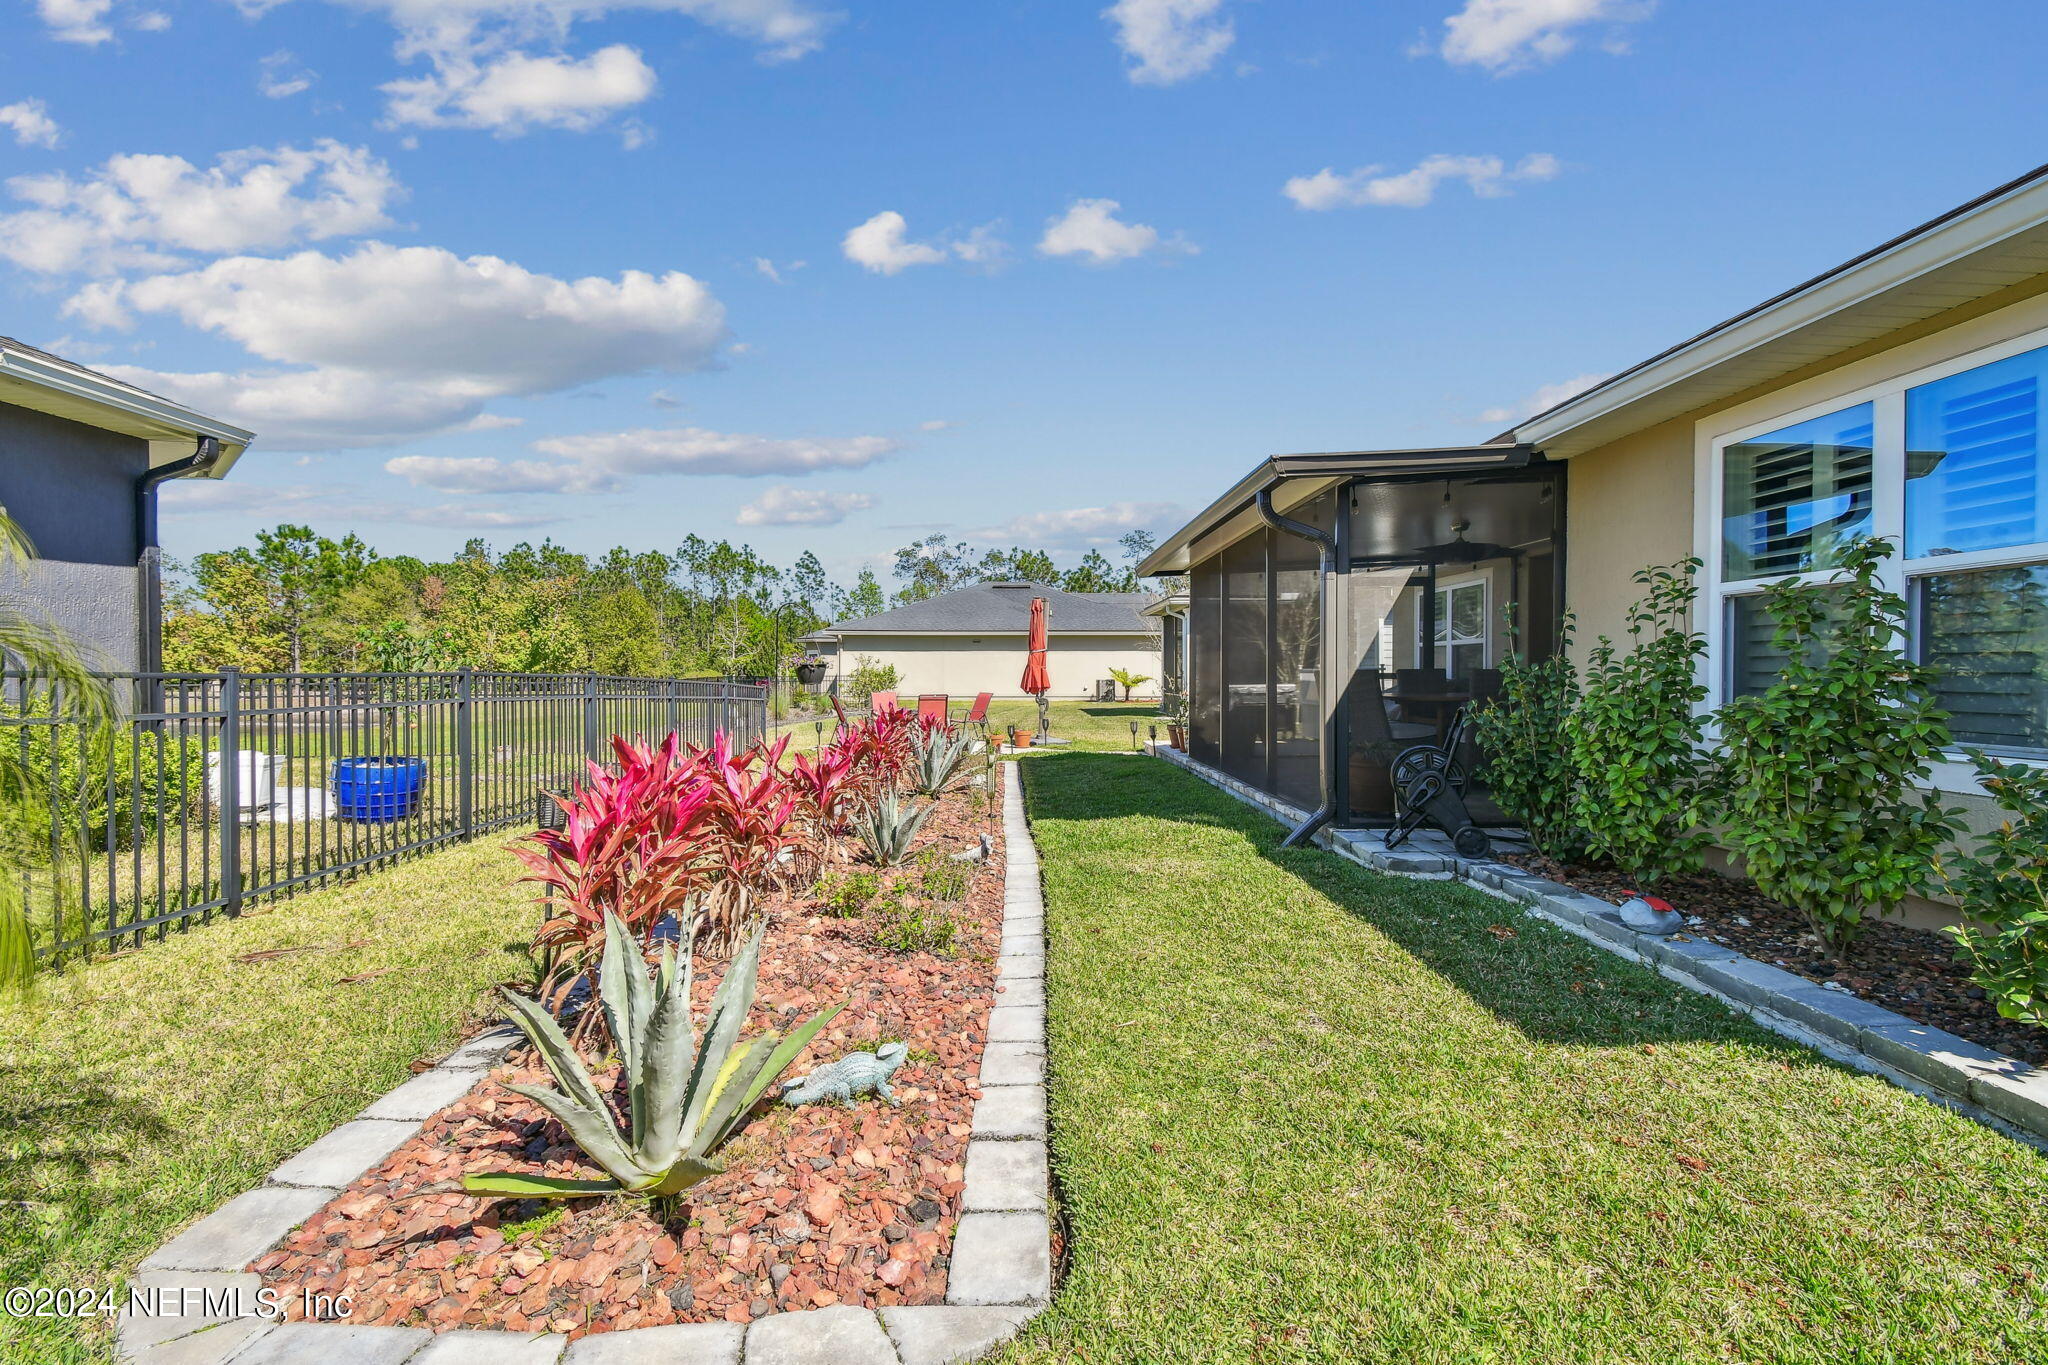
(751, 810)
(633, 842)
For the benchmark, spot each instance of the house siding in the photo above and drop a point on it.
(964, 666)
(71, 487)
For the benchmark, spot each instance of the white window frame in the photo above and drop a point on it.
(1887, 519)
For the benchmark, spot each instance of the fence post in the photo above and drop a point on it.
(229, 767)
(590, 750)
(465, 749)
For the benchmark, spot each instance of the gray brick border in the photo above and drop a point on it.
(2000, 1091)
(1000, 1276)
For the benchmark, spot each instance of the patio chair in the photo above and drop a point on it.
(878, 702)
(932, 706)
(977, 714)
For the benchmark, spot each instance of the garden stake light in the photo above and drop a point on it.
(1134, 736)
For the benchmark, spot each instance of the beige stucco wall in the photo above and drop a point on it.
(964, 666)
(1627, 504)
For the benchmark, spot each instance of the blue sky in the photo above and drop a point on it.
(829, 274)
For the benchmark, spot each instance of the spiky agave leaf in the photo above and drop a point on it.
(511, 1185)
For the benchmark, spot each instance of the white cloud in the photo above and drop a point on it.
(605, 462)
(1083, 527)
(76, 21)
(136, 210)
(517, 92)
(935, 424)
(769, 270)
(150, 21)
(31, 123)
(310, 502)
(1169, 40)
(501, 64)
(1488, 176)
(1090, 228)
(693, 450)
(1504, 36)
(393, 342)
(880, 245)
(1548, 396)
(786, 506)
(279, 76)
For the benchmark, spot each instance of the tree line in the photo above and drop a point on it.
(302, 602)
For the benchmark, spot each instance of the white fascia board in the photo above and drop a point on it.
(151, 417)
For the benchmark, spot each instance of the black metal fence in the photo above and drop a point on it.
(218, 791)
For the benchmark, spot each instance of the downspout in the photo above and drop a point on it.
(1326, 544)
(149, 555)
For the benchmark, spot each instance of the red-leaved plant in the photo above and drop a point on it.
(750, 808)
(633, 842)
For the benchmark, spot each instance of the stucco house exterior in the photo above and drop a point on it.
(971, 640)
(1903, 393)
(81, 458)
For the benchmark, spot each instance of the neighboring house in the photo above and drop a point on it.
(81, 458)
(1899, 394)
(971, 640)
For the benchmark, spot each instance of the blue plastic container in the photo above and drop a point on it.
(377, 790)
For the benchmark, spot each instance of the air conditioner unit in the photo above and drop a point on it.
(1105, 689)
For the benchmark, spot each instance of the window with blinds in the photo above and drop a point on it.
(1754, 659)
(1987, 633)
(1792, 497)
(1974, 473)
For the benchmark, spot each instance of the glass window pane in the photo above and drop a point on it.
(1297, 664)
(1987, 631)
(1753, 661)
(1468, 612)
(1973, 460)
(1790, 498)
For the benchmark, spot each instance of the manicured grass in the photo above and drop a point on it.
(140, 1091)
(1305, 1112)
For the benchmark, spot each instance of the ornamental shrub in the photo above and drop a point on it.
(1528, 767)
(1635, 735)
(2003, 889)
(1822, 779)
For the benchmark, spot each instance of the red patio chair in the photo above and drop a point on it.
(878, 702)
(931, 706)
(978, 713)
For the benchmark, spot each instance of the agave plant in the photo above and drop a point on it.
(684, 1097)
(886, 828)
(940, 752)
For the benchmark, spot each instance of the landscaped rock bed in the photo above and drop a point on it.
(1913, 971)
(820, 1205)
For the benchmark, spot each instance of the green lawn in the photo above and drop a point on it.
(1305, 1112)
(140, 1091)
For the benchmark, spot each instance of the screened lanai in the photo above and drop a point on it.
(1408, 577)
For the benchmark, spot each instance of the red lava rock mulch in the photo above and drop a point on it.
(820, 1205)
(1913, 971)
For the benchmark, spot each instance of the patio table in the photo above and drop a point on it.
(1439, 705)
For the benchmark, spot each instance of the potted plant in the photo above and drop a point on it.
(1176, 709)
(1020, 736)
(810, 672)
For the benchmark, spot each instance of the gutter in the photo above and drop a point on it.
(149, 556)
(1326, 545)
(203, 458)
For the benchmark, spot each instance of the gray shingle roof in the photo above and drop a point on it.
(1005, 608)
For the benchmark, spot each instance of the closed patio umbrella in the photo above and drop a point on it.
(1036, 680)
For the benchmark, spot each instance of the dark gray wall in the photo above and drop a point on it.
(99, 606)
(71, 486)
